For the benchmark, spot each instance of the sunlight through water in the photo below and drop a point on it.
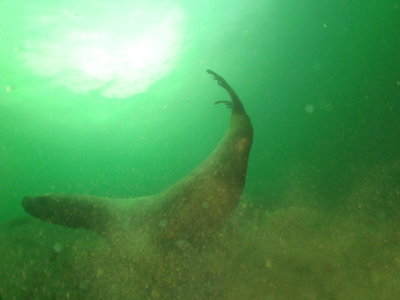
(117, 50)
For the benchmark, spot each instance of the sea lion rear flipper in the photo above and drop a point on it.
(78, 211)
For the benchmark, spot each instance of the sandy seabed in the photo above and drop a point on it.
(299, 249)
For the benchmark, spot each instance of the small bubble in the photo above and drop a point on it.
(183, 245)
(268, 264)
(163, 223)
(58, 247)
(309, 108)
(155, 293)
(205, 205)
(82, 285)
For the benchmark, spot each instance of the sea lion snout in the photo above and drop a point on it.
(39, 206)
(28, 203)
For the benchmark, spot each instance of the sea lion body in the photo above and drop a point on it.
(191, 209)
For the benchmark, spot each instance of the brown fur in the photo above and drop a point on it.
(190, 210)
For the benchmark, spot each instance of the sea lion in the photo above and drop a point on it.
(190, 210)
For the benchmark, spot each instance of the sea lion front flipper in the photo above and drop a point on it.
(228, 104)
(78, 211)
(236, 104)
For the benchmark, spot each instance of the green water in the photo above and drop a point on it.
(320, 215)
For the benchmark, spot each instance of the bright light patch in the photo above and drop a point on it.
(116, 49)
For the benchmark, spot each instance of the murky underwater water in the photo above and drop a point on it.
(319, 217)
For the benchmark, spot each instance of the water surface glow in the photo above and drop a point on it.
(117, 50)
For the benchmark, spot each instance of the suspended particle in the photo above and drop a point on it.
(309, 108)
